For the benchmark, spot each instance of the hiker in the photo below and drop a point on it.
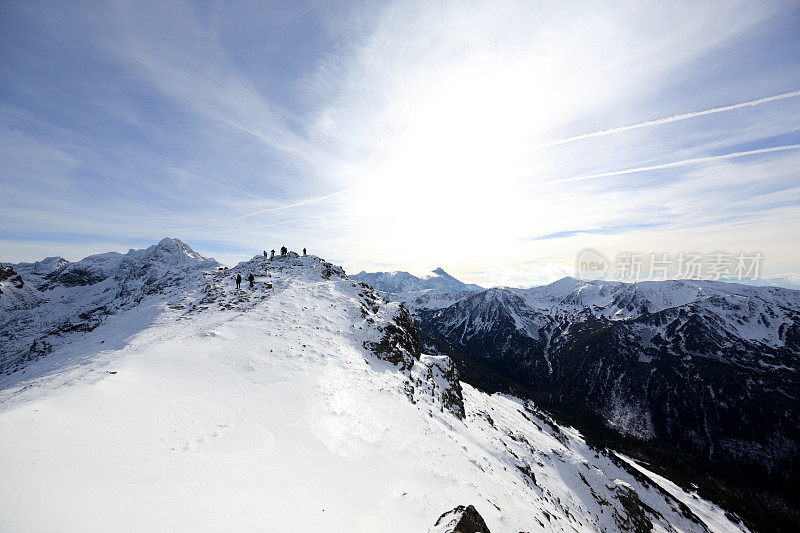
(283, 251)
(238, 280)
(272, 255)
(304, 251)
(251, 278)
(265, 253)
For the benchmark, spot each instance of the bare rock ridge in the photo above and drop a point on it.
(460, 520)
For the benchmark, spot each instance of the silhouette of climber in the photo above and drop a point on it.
(283, 251)
(251, 278)
(265, 253)
(238, 280)
(304, 250)
(272, 255)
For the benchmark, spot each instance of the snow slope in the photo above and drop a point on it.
(299, 405)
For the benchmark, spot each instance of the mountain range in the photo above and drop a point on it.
(700, 377)
(144, 391)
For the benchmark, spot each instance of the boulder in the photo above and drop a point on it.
(460, 520)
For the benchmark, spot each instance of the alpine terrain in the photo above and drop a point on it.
(698, 377)
(399, 281)
(144, 392)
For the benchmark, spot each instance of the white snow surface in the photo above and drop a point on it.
(261, 410)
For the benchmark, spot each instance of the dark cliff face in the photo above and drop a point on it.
(9, 275)
(712, 383)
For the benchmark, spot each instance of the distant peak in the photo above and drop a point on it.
(566, 280)
(53, 259)
(400, 281)
(175, 245)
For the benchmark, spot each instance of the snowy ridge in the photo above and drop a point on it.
(302, 404)
(399, 281)
(753, 313)
(742, 311)
(56, 301)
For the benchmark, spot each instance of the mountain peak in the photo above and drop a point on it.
(178, 247)
(401, 281)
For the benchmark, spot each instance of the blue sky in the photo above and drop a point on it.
(487, 138)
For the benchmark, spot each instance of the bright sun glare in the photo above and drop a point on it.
(462, 155)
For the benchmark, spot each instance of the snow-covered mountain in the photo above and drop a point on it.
(302, 404)
(701, 374)
(53, 301)
(399, 281)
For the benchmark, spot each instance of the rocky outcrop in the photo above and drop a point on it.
(438, 378)
(10, 276)
(460, 520)
(399, 344)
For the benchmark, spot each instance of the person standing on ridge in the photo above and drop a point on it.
(265, 253)
(251, 278)
(304, 251)
(283, 251)
(272, 255)
(238, 280)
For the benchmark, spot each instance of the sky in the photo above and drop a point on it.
(494, 139)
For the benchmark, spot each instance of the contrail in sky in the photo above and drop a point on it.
(667, 120)
(681, 163)
(272, 209)
(268, 225)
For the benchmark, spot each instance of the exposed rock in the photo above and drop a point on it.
(400, 343)
(460, 520)
(10, 275)
(440, 379)
(636, 518)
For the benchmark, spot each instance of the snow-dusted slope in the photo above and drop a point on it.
(300, 405)
(54, 301)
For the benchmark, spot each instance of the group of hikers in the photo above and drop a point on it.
(251, 278)
(284, 251)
